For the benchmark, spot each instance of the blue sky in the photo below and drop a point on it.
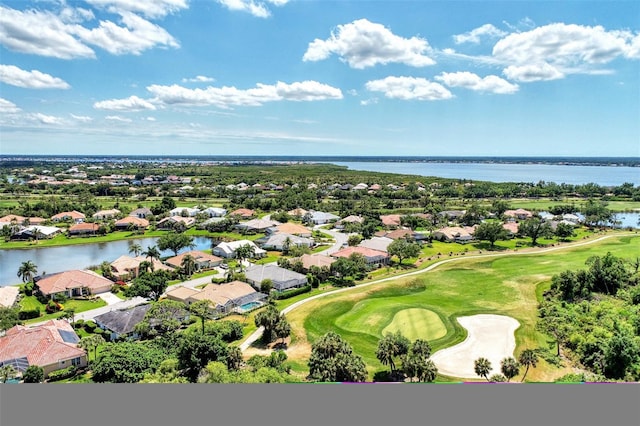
(305, 77)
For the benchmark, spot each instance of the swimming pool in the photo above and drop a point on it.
(249, 306)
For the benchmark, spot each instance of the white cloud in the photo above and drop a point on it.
(148, 8)
(198, 79)
(533, 72)
(555, 50)
(40, 33)
(474, 36)
(150, 119)
(409, 88)
(8, 107)
(61, 36)
(370, 101)
(226, 97)
(46, 119)
(75, 15)
(34, 79)
(258, 9)
(132, 103)
(136, 36)
(81, 118)
(118, 118)
(471, 81)
(364, 44)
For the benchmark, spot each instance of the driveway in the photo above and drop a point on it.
(110, 298)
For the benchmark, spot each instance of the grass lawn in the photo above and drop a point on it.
(31, 302)
(508, 285)
(417, 323)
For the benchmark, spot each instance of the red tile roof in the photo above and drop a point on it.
(138, 222)
(42, 345)
(84, 227)
(366, 252)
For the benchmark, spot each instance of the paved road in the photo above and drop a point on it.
(256, 334)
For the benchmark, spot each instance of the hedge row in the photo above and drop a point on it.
(28, 314)
(62, 374)
(290, 293)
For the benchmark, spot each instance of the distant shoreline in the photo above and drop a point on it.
(265, 159)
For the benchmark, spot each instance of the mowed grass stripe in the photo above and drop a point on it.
(417, 323)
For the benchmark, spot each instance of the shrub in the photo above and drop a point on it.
(62, 374)
(28, 314)
(290, 293)
(28, 289)
(218, 280)
(115, 289)
(79, 323)
(53, 306)
(90, 326)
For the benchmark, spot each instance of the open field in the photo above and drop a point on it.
(507, 284)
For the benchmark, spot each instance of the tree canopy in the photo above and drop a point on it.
(333, 360)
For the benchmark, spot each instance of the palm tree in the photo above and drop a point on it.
(286, 245)
(188, 265)
(509, 367)
(91, 341)
(7, 372)
(428, 372)
(246, 251)
(482, 367)
(152, 252)
(136, 249)
(385, 351)
(27, 271)
(528, 358)
(201, 310)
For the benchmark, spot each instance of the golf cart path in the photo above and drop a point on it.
(256, 334)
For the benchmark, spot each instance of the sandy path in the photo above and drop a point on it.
(489, 336)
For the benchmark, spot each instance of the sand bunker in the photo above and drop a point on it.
(489, 336)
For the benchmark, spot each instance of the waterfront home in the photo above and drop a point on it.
(37, 232)
(170, 222)
(9, 296)
(131, 222)
(83, 228)
(52, 346)
(141, 213)
(202, 260)
(74, 283)
(74, 216)
(227, 250)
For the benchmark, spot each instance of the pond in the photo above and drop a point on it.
(58, 259)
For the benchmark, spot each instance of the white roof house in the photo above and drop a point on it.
(282, 279)
(228, 250)
(215, 211)
(320, 218)
(277, 241)
(178, 211)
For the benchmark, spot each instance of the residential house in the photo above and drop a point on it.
(452, 214)
(228, 297)
(9, 296)
(574, 219)
(257, 225)
(349, 219)
(121, 323)
(202, 260)
(214, 211)
(243, 213)
(126, 268)
(106, 214)
(293, 229)
(511, 227)
(309, 260)
(131, 222)
(371, 256)
(280, 240)
(320, 218)
(227, 250)
(391, 220)
(74, 216)
(37, 232)
(52, 346)
(298, 212)
(282, 279)
(84, 228)
(376, 243)
(375, 187)
(520, 214)
(141, 213)
(181, 294)
(74, 283)
(407, 234)
(184, 212)
(20, 220)
(171, 221)
(454, 234)
(360, 187)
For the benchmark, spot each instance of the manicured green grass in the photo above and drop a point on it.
(507, 285)
(417, 323)
(31, 302)
(62, 240)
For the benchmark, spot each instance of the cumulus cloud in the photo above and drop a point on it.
(46, 119)
(40, 33)
(8, 107)
(553, 51)
(226, 97)
(370, 101)
(132, 103)
(363, 44)
(34, 79)
(198, 79)
(81, 118)
(255, 8)
(118, 118)
(475, 35)
(409, 88)
(136, 36)
(61, 36)
(471, 81)
(148, 8)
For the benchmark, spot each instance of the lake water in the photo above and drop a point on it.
(58, 259)
(504, 172)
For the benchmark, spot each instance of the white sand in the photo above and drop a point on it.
(489, 336)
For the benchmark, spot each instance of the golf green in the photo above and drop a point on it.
(417, 323)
